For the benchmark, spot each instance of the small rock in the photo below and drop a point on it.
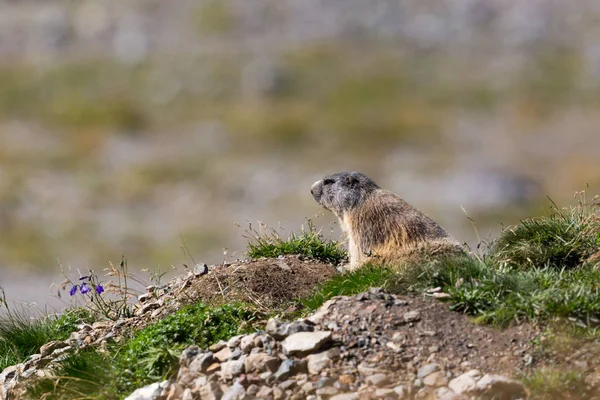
(201, 363)
(247, 343)
(234, 341)
(367, 370)
(305, 342)
(261, 362)
(324, 382)
(49, 347)
(347, 379)
(277, 393)
(378, 380)
(211, 391)
(308, 387)
(264, 392)
(223, 355)
(327, 391)
(318, 362)
(189, 355)
(290, 367)
(401, 391)
(149, 392)
(220, 345)
(464, 383)
(412, 316)
(288, 384)
(435, 379)
(345, 396)
(387, 394)
(427, 369)
(236, 392)
(232, 369)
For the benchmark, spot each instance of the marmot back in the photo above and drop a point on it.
(379, 224)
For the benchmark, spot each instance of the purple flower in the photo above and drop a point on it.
(73, 290)
(84, 289)
(83, 277)
(99, 289)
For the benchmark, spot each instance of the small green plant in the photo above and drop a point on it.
(309, 243)
(565, 238)
(114, 301)
(86, 374)
(348, 284)
(153, 352)
(555, 383)
(22, 333)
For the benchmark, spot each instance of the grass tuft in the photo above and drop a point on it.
(309, 243)
(22, 334)
(565, 238)
(554, 383)
(348, 284)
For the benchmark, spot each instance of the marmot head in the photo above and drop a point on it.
(343, 191)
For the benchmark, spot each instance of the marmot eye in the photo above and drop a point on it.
(328, 181)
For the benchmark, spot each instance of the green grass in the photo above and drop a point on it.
(555, 383)
(22, 335)
(86, 374)
(150, 355)
(565, 238)
(348, 284)
(309, 243)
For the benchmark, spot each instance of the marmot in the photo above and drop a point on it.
(379, 225)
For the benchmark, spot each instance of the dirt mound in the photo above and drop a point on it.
(267, 283)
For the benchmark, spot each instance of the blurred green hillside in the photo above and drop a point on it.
(127, 127)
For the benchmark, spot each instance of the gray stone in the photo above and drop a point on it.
(436, 379)
(378, 380)
(220, 345)
(223, 355)
(149, 392)
(234, 341)
(401, 391)
(290, 367)
(188, 355)
(427, 369)
(232, 369)
(345, 396)
(327, 391)
(264, 392)
(247, 343)
(412, 316)
(49, 347)
(211, 391)
(305, 342)
(236, 392)
(387, 394)
(202, 362)
(261, 362)
(9, 373)
(318, 362)
(277, 393)
(464, 383)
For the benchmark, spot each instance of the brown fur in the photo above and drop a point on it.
(380, 226)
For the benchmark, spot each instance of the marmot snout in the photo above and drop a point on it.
(379, 224)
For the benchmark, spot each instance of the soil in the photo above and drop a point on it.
(266, 283)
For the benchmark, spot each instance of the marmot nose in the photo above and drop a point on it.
(314, 189)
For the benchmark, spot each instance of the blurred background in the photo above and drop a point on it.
(128, 127)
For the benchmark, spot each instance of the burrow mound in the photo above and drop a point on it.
(268, 283)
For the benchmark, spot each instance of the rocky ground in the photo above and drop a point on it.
(369, 346)
(373, 345)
